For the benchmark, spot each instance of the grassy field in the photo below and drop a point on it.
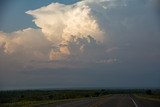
(149, 95)
(30, 98)
(38, 97)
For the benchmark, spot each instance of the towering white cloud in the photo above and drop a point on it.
(60, 23)
(77, 32)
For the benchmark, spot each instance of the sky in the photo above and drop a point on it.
(79, 44)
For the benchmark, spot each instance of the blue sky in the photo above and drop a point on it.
(105, 43)
(13, 16)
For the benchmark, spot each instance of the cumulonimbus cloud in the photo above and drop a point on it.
(85, 42)
(69, 32)
(60, 23)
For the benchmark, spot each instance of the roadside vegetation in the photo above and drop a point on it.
(30, 98)
(36, 97)
(149, 95)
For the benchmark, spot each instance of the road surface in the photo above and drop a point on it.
(119, 100)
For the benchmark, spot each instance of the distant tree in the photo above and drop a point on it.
(149, 92)
(87, 95)
(22, 96)
(97, 94)
(50, 97)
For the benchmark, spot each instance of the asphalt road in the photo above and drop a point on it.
(119, 100)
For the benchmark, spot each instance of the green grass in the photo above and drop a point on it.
(38, 103)
(31, 103)
(148, 97)
(30, 98)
